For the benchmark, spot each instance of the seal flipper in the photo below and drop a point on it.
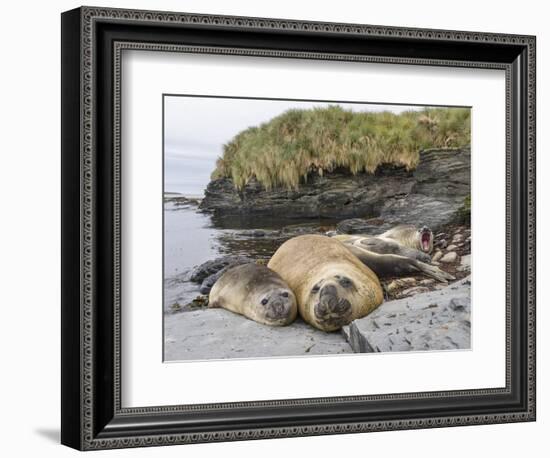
(434, 272)
(385, 265)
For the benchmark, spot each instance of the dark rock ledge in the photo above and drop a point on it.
(432, 194)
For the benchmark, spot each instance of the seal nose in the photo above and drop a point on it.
(329, 290)
(278, 308)
(330, 302)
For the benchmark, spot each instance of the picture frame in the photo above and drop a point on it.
(93, 416)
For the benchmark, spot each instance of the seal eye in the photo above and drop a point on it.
(345, 282)
(285, 294)
(264, 301)
(315, 289)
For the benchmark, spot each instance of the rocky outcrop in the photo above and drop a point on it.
(431, 194)
(436, 320)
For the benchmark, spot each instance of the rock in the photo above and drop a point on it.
(399, 283)
(451, 247)
(345, 332)
(220, 334)
(211, 267)
(437, 256)
(444, 173)
(301, 229)
(371, 226)
(465, 263)
(451, 256)
(209, 281)
(452, 336)
(441, 244)
(436, 320)
(426, 210)
(442, 182)
(208, 273)
(459, 304)
(426, 282)
(415, 290)
(255, 233)
(178, 201)
(457, 238)
(432, 194)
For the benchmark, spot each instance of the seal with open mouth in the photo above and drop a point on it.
(409, 236)
(402, 250)
(404, 240)
(332, 286)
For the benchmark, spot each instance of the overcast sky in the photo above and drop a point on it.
(196, 128)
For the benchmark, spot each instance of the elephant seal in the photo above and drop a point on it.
(331, 285)
(402, 250)
(257, 293)
(409, 236)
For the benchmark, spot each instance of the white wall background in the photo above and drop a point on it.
(30, 240)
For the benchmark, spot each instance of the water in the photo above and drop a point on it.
(189, 239)
(192, 238)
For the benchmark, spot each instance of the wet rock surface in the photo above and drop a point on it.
(436, 320)
(219, 334)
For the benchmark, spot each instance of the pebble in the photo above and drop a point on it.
(400, 283)
(437, 256)
(465, 262)
(450, 257)
(457, 238)
(414, 290)
(452, 247)
(426, 282)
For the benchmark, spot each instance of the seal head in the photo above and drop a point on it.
(332, 308)
(276, 306)
(256, 292)
(425, 239)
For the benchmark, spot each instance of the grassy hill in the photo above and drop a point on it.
(286, 150)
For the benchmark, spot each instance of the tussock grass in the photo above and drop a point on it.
(286, 150)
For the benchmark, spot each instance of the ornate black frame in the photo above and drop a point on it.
(92, 42)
